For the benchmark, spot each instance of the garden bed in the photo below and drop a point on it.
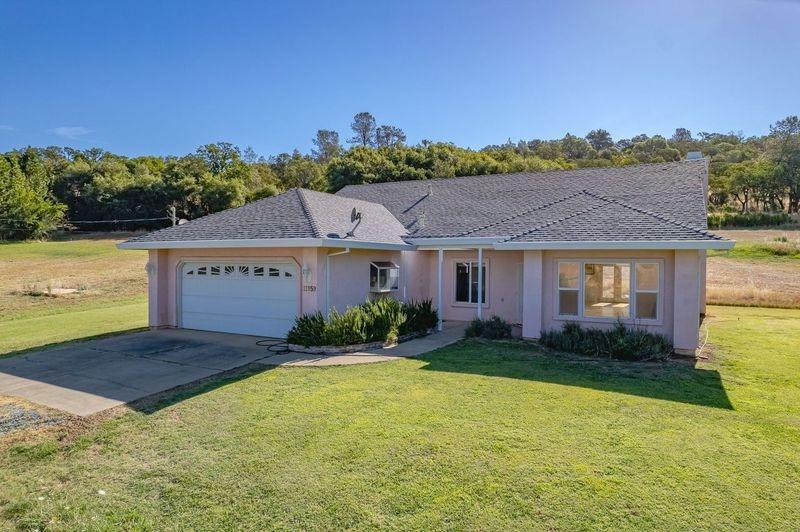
(354, 348)
(373, 324)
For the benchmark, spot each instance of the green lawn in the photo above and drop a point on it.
(481, 436)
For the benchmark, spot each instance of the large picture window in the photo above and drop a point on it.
(606, 290)
(609, 290)
(467, 282)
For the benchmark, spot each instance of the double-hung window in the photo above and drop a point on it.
(611, 290)
(467, 282)
(647, 283)
(569, 288)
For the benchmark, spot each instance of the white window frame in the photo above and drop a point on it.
(559, 289)
(632, 319)
(471, 262)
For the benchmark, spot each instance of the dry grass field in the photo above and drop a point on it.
(762, 270)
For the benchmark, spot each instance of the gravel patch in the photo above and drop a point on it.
(15, 417)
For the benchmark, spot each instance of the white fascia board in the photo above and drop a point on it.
(430, 243)
(231, 243)
(646, 244)
(359, 244)
(264, 243)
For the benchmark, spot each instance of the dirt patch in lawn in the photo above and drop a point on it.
(80, 271)
(20, 418)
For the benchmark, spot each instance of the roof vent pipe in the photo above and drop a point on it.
(421, 220)
(430, 189)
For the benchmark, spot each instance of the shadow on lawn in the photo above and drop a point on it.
(674, 380)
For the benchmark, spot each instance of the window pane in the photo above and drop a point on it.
(393, 280)
(373, 277)
(568, 274)
(607, 290)
(646, 305)
(568, 302)
(647, 276)
(474, 285)
(462, 282)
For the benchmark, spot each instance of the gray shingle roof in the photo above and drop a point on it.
(648, 202)
(297, 213)
(502, 205)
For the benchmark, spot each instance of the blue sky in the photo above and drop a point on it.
(164, 77)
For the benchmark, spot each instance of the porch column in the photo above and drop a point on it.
(480, 283)
(439, 297)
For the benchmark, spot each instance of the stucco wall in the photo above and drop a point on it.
(350, 276)
(418, 280)
(502, 283)
(164, 276)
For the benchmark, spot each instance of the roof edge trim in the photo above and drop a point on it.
(619, 244)
(265, 243)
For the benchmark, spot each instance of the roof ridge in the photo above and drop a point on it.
(312, 222)
(553, 222)
(523, 213)
(657, 216)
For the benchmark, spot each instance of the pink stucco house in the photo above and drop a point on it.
(593, 245)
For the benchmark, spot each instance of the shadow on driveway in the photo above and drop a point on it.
(87, 377)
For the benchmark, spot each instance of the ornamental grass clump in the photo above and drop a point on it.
(620, 342)
(495, 328)
(420, 317)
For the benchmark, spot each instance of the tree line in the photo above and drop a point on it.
(44, 188)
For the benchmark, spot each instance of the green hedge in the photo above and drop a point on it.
(720, 220)
(381, 320)
(619, 342)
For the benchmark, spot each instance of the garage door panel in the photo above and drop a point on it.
(240, 306)
(257, 298)
(240, 289)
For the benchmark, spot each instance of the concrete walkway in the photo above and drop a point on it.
(453, 331)
(88, 377)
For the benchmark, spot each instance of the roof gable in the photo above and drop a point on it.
(294, 214)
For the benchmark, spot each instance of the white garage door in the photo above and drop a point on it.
(258, 298)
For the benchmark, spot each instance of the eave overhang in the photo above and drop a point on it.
(267, 243)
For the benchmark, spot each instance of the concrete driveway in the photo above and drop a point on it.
(88, 377)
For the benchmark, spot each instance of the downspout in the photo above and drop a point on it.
(328, 278)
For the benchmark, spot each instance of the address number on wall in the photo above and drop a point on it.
(309, 288)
